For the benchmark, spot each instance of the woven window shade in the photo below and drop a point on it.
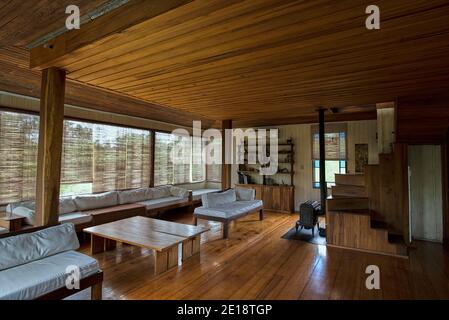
(163, 164)
(138, 158)
(335, 141)
(181, 168)
(121, 158)
(184, 169)
(77, 153)
(19, 135)
(198, 168)
(213, 171)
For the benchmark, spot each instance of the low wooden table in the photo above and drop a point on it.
(192, 234)
(163, 237)
(11, 222)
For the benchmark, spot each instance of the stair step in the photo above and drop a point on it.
(350, 179)
(396, 238)
(347, 203)
(398, 242)
(348, 191)
(376, 224)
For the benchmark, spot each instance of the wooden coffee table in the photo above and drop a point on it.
(11, 222)
(163, 237)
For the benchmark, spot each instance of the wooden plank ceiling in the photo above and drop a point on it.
(265, 61)
(22, 22)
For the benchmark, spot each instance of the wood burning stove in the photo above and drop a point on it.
(308, 215)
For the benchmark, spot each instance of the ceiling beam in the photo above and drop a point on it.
(70, 43)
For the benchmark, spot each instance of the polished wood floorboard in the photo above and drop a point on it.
(256, 263)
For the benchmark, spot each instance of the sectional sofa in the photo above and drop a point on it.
(95, 209)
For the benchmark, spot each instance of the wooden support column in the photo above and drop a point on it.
(226, 167)
(153, 149)
(50, 146)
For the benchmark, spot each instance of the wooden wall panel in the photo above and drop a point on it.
(352, 230)
(372, 185)
(385, 130)
(358, 132)
(426, 194)
(422, 119)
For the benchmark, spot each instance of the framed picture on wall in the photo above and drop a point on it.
(361, 157)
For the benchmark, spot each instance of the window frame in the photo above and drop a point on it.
(336, 128)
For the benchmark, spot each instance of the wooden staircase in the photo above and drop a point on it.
(351, 222)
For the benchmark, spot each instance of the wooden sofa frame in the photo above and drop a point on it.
(226, 221)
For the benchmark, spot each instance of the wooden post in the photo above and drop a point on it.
(226, 167)
(50, 146)
(153, 149)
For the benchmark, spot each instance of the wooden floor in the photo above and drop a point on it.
(256, 263)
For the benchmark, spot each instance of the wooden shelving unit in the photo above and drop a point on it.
(276, 196)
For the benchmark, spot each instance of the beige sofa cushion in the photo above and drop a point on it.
(212, 200)
(27, 213)
(67, 205)
(160, 192)
(132, 196)
(244, 194)
(96, 201)
(179, 192)
(25, 248)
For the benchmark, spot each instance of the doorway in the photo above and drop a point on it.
(425, 192)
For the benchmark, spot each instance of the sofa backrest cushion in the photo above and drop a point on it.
(25, 248)
(179, 192)
(96, 201)
(213, 200)
(27, 213)
(27, 204)
(245, 194)
(132, 196)
(67, 205)
(161, 192)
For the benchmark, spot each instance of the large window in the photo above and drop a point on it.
(335, 147)
(99, 157)
(177, 160)
(95, 157)
(18, 156)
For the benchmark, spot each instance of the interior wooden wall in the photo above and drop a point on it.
(422, 119)
(358, 132)
(386, 129)
(426, 201)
